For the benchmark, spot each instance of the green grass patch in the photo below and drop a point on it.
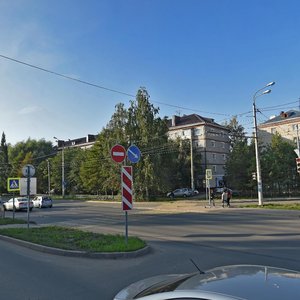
(287, 206)
(73, 239)
(7, 221)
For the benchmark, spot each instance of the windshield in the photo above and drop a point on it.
(165, 286)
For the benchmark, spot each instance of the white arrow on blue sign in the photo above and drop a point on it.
(133, 154)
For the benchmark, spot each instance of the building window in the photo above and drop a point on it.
(197, 131)
(214, 169)
(223, 145)
(196, 144)
(214, 156)
(213, 143)
(224, 156)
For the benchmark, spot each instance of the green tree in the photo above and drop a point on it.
(278, 166)
(240, 163)
(148, 131)
(236, 132)
(4, 164)
(30, 152)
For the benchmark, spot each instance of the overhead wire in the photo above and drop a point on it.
(102, 87)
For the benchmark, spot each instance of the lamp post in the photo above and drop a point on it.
(62, 165)
(257, 94)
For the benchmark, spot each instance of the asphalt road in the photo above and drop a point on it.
(211, 237)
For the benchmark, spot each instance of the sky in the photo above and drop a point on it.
(207, 57)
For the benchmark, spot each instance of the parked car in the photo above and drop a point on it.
(194, 192)
(184, 192)
(222, 283)
(20, 203)
(42, 201)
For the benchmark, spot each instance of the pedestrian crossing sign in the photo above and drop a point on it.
(13, 184)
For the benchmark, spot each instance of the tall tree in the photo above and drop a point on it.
(147, 131)
(236, 132)
(240, 165)
(4, 164)
(278, 165)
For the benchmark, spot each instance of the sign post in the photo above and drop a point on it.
(28, 171)
(13, 185)
(126, 179)
(208, 176)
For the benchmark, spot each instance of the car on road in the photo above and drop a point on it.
(234, 282)
(42, 201)
(20, 203)
(184, 192)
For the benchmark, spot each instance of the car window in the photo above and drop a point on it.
(163, 287)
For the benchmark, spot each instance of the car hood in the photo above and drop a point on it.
(241, 281)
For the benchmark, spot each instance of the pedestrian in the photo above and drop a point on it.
(212, 198)
(224, 197)
(229, 195)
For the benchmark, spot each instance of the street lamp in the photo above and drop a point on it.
(257, 94)
(62, 165)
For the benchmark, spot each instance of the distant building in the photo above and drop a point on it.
(286, 124)
(208, 137)
(83, 143)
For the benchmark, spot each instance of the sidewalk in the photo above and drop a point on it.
(182, 206)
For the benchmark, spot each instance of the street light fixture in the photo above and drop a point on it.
(62, 165)
(257, 94)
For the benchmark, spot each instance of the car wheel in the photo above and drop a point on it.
(184, 196)
(30, 209)
(50, 206)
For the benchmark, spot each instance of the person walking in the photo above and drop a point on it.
(212, 198)
(229, 195)
(224, 197)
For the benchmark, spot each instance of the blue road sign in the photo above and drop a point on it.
(13, 184)
(133, 154)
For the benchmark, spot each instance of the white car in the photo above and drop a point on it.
(184, 192)
(20, 203)
(42, 201)
(239, 282)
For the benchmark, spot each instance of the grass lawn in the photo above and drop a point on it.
(6, 221)
(288, 206)
(74, 239)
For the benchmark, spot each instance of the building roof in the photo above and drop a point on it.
(185, 120)
(284, 116)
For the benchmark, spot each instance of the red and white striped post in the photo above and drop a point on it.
(127, 187)
(127, 183)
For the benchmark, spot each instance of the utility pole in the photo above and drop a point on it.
(49, 185)
(257, 94)
(192, 161)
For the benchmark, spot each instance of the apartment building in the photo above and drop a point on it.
(287, 124)
(208, 137)
(83, 142)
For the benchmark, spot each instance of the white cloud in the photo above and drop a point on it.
(29, 110)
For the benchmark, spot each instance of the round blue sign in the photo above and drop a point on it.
(133, 154)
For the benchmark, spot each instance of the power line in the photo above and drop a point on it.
(102, 87)
(65, 76)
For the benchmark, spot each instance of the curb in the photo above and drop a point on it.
(74, 253)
